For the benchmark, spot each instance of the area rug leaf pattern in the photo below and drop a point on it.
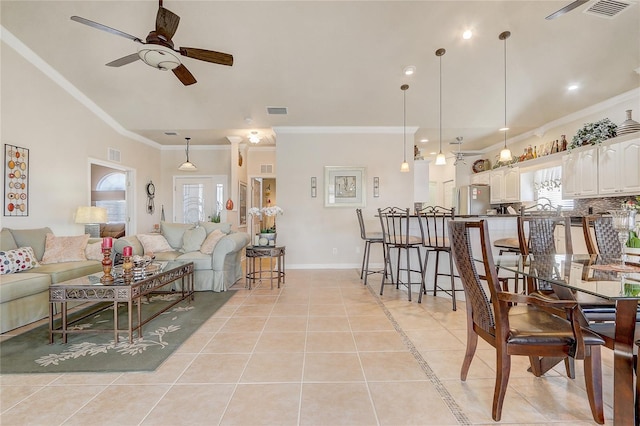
(161, 337)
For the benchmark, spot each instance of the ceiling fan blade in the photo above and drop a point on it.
(105, 28)
(166, 23)
(566, 9)
(207, 55)
(184, 75)
(124, 60)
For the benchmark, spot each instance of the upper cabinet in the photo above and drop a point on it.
(505, 185)
(618, 168)
(580, 173)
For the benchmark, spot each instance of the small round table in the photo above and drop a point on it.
(257, 253)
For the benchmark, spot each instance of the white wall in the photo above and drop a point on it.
(311, 231)
(62, 135)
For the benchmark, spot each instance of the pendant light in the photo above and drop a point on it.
(404, 167)
(505, 154)
(440, 159)
(187, 166)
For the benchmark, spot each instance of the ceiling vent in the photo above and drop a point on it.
(607, 8)
(277, 110)
(266, 169)
(113, 155)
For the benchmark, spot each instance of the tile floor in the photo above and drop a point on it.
(322, 350)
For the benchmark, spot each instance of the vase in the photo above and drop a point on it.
(229, 205)
(628, 126)
(267, 239)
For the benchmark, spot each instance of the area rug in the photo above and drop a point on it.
(30, 352)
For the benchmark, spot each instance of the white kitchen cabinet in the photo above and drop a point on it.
(618, 172)
(482, 178)
(505, 185)
(580, 173)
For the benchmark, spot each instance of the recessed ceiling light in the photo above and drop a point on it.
(503, 129)
(573, 87)
(467, 34)
(424, 140)
(409, 70)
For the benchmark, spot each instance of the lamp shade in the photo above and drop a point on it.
(187, 166)
(90, 214)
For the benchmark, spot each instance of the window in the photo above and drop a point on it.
(110, 194)
(547, 184)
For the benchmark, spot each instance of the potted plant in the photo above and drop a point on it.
(267, 234)
(594, 133)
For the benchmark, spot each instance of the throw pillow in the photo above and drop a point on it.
(17, 260)
(155, 243)
(193, 239)
(64, 249)
(211, 241)
(94, 251)
(129, 240)
(173, 232)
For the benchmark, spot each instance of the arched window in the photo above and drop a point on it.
(110, 194)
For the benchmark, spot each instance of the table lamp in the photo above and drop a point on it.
(92, 217)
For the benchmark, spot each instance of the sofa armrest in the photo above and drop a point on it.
(231, 243)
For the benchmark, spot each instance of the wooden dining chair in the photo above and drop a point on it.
(397, 238)
(517, 324)
(369, 238)
(600, 228)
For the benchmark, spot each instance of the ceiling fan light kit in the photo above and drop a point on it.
(159, 57)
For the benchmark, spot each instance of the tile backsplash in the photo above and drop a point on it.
(599, 205)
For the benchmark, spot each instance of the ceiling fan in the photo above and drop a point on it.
(157, 49)
(461, 154)
(567, 8)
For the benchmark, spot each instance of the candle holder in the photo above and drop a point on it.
(127, 269)
(107, 263)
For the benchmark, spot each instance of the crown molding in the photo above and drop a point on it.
(344, 130)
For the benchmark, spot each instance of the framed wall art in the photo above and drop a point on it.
(16, 181)
(242, 208)
(344, 186)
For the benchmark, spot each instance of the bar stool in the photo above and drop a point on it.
(433, 226)
(395, 234)
(369, 238)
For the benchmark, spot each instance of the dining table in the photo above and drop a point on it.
(602, 278)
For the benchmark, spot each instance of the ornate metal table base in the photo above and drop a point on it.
(256, 254)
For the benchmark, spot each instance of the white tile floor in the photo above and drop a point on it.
(322, 350)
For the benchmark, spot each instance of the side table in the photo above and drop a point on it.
(256, 254)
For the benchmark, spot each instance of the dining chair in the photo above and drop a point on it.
(433, 228)
(397, 238)
(369, 238)
(601, 229)
(518, 324)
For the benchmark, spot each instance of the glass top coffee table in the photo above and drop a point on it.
(90, 289)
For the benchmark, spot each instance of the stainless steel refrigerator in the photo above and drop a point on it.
(472, 199)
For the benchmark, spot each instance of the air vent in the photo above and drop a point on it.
(266, 169)
(277, 110)
(171, 133)
(607, 8)
(114, 155)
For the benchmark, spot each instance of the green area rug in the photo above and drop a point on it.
(31, 352)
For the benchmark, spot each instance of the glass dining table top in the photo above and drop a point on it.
(597, 275)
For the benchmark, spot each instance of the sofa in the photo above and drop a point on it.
(216, 268)
(24, 294)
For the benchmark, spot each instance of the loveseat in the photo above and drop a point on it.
(215, 250)
(24, 293)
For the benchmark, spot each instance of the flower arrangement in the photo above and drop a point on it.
(593, 133)
(263, 214)
(215, 218)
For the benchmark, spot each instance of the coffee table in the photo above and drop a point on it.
(90, 289)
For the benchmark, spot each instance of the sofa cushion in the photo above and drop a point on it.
(6, 240)
(211, 226)
(18, 260)
(167, 255)
(65, 271)
(130, 240)
(173, 232)
(34, 238)
(15, 286)
(64, 249)
(154, 243)
(200, 261)
(193, 239)
(93, 251)
(210, 243)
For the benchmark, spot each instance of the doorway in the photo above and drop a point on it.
(199, 198)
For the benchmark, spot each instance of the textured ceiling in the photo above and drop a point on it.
(339, 63)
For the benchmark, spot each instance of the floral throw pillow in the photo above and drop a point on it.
(17, 260)
(94, 251)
